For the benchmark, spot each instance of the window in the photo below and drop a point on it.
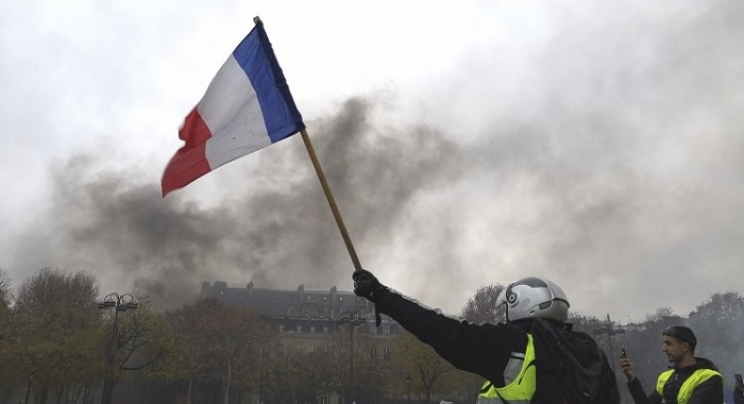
(386, 352)
(312, 328)
(281, 328)
(299, 328)
(325, 330)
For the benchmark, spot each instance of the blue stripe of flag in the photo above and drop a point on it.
(256, 56)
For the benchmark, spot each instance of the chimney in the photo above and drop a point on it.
(301, 292)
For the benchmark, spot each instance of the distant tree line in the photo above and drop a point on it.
(58, 346)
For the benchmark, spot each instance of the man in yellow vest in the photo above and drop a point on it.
(505, 354)
(691, 380)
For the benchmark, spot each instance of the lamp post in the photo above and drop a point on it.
(407, 378)
(610, 331)
(119, 303)
(353, 320)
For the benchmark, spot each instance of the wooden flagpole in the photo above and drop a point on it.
(331, 200)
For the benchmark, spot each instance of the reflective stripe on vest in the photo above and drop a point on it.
(689, 385)
(519, 378)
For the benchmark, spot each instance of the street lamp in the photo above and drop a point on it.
(353, 320)
(118, 303)
(407, 378)
(610, 331)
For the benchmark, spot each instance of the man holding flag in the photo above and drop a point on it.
(516, 357)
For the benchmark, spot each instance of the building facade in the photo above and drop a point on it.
(308, 320)
(301, 311)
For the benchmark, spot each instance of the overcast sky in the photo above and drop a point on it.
(599, 144)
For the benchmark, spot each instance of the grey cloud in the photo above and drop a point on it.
(624, 184)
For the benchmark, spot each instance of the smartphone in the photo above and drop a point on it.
(739, 380)
(625, 354)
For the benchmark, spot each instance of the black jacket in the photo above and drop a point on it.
(483, 349)
(708, 392)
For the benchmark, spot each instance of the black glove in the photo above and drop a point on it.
(366, 285)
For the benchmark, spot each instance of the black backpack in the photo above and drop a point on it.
(577, 362)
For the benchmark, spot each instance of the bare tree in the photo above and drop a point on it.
(482, 308)
(136, 340)
(221, 341)
(425, 367)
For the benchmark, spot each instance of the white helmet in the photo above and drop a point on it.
(534, 298)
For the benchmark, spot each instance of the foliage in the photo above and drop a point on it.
(375, 372)
(136, 339)
(465, 384)
(222, 343)
(426, 368)
(482, 308)
(9, 341)
(52, 334)
(313, 373)
(585, 324)
(141, 339)
(58, 330)
(660, 314)
(718, 324)
(4, 291)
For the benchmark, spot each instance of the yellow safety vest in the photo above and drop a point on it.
(520, 379)
(689, 385)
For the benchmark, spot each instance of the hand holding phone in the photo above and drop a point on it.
(627, 366)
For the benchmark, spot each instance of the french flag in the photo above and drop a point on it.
(247, 107)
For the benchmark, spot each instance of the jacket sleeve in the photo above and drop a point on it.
(639, 396)
(483, 349)
(708, 392)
